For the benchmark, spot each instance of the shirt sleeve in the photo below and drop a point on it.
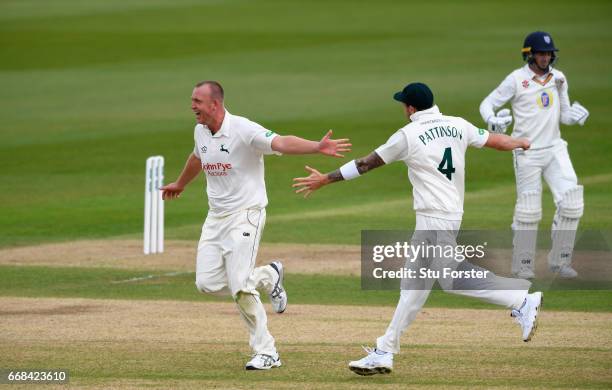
(196, 150)
(500, 96)
(261, 138)
(476, 137)
(564, 100)
(395, 149)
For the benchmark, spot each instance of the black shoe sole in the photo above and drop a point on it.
(370, 371)
(251, 368)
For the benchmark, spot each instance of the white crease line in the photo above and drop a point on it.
(146, 277)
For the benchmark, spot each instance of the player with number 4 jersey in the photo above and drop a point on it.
(433, 147)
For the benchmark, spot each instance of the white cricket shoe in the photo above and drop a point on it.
(376, 362)
(278, 296)
(564, 271)
(527, 315)
(263, 362)
(525, 273)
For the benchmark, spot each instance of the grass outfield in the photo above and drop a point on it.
(107, 283)
(90, 89)
(132, 328)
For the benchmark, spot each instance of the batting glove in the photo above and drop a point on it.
(578, 113)
(499, 122)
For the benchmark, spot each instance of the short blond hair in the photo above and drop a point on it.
(216, 90)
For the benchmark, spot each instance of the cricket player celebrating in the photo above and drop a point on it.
(433, 147)
(230, 150)
(538, 94)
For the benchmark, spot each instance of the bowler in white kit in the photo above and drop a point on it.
(538, 95)
(433, 148)
(230, 149)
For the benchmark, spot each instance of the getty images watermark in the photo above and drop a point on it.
(411, 252)
(476, 260)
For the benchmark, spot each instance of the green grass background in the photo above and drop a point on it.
(107, 283)
(90, 89)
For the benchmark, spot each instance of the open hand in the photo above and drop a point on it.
(171, 191)
(309, 184)
(334, 147)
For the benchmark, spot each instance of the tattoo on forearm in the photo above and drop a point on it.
(364, 165)
(335, 176)
(369, 162)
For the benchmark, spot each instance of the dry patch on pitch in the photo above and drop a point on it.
(171, 344)
(179, 256)
(85, 320)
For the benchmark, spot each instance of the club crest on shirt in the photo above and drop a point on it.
(525, 83)
(545, 99)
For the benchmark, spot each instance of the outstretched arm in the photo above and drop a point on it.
(290, 144)
(192, 168)
(504, 142)
(350, 170)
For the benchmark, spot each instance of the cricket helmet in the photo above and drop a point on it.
(538, 41)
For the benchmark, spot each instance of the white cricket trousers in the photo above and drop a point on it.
(555, 166)
(412, 300)
(226, 266)
(553, 163)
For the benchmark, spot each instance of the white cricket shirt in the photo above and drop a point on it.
(537, 104)
(232, 160)
(433, 148)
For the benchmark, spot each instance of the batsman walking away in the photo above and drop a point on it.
(230, 149)
(538, 95)
(433, 148)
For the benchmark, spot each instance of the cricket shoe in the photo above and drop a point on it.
(261, 361)
(564, 271)
(278, 296)
(375, 362)
(525, 270)
(525, 273)
(527, 315)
